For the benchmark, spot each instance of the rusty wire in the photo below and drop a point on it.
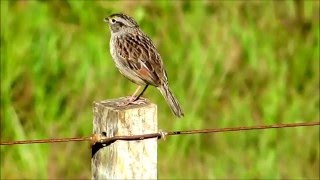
(99, 138)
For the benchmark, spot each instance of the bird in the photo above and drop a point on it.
(137, 58)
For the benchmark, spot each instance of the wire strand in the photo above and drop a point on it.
(99, 138)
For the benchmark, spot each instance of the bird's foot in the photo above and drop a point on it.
(131, 100)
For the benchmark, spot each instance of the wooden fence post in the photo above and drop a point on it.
(125, 159)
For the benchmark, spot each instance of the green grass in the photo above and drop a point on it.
(230, 63)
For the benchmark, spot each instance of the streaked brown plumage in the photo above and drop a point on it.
(137, 58)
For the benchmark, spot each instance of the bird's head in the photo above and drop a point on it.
(120, 21)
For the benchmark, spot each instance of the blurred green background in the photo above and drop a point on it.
(230, 63)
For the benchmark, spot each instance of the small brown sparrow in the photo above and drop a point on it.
(137, 59)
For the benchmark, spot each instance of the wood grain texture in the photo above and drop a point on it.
(125, 159)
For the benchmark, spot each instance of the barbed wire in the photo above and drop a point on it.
(102, 139)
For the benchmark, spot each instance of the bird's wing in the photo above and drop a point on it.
(142, 58)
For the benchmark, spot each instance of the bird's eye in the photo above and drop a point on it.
(113, 20)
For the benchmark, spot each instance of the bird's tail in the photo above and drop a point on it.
(171, 100)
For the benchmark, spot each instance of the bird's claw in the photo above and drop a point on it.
(131, 100)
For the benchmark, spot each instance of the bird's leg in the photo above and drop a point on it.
(136, 100)
(133, 99)
(144, 89)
